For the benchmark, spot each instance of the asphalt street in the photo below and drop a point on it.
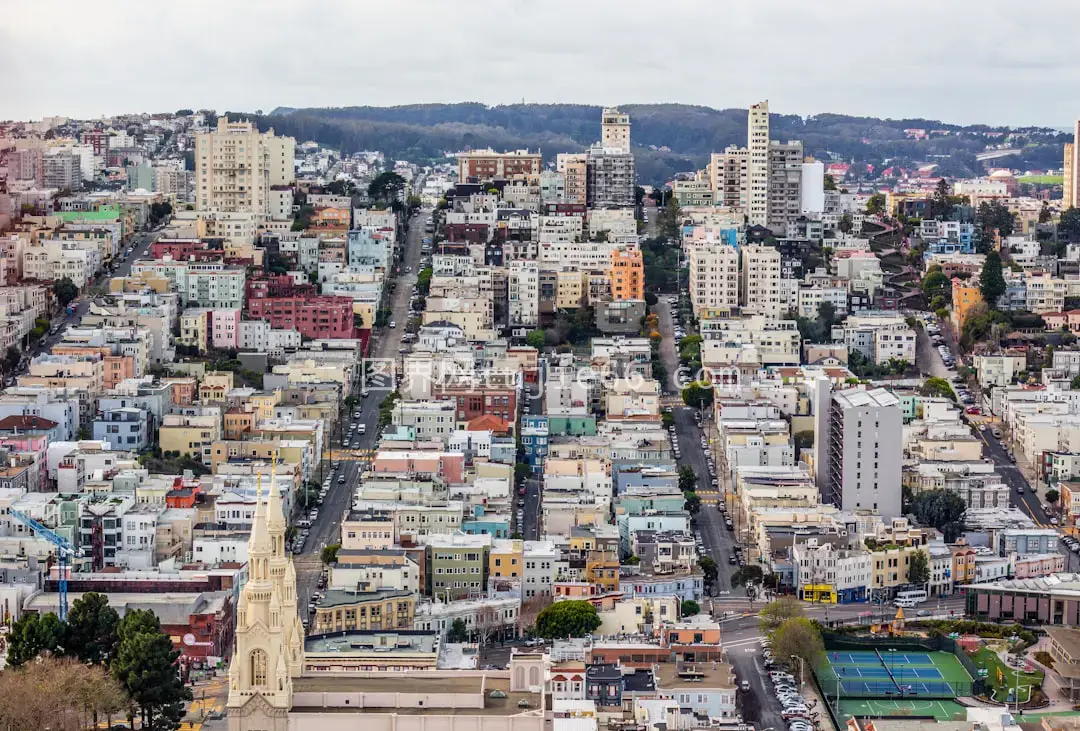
(140, 244)
(1028, 499)
(383, 351)
(927, 358)
(529, 526)
(669, 355)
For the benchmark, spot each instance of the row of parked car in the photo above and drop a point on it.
(798, 713)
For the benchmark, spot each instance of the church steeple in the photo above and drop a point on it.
(261, 671)
(283, 575)
(260, 547)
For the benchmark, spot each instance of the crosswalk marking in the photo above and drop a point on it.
(349, 453)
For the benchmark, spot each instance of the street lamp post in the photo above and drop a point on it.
(800, 661)
(1016, 679)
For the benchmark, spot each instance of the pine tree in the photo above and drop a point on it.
(145, 665)
(991, 280)
(33, 635)
(91, 630)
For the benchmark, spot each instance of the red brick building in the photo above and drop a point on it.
(472, 233)
(178, 249)
(312, 316)
(475, 401)
(481, 165)
(276, 285)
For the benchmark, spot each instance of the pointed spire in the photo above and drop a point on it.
(275, 512)
(260, 535)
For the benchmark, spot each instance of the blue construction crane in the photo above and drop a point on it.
(63, 551)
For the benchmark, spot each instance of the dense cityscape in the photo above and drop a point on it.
(791, 441)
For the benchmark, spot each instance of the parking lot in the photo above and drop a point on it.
(798, 712)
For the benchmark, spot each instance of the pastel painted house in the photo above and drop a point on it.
(449, 466)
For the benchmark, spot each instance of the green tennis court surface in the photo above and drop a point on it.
(940, 710)
(889, 674)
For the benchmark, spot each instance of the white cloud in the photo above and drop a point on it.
(992, 61)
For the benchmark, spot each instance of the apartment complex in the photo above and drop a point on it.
(236, 166)
(858, 449)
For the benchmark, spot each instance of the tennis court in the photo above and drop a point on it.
(941, 710)
(889, 674)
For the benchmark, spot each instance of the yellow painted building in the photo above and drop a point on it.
(505, 559)
(223, 450)
(193, 436)
(347, 609)
(193, 330)
(819, 593)
(310, 370)
(572, 286)
(214, 386)
(602, 570)
(890, 566)
(262, 404)
(966, 300)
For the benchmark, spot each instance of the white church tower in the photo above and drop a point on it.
(269, 640)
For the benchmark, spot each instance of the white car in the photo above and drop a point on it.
(392, 324)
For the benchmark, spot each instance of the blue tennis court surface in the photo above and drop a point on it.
(890, 674)
(859, 657)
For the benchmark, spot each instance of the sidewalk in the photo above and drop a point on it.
(810, 692)
(1050, 685)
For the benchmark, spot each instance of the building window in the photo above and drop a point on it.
(258, 668)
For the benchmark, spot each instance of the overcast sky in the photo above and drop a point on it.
(962, 61)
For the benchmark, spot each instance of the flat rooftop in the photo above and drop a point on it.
(391, 683)
(358, 641)
(479, 686)
(670, 676)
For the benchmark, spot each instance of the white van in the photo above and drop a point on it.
(361, 429)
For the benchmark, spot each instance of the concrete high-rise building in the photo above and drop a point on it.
(727, 173)
(26, 164)
(575, 168)
(610, 178)
(858, 448)
(714, 276)
(615, 130)
(235, 166)
(761, 281)
(763, 180)
(172, 181)
(1071, 188)
(757, 165)
(784, 193)
(61, 169)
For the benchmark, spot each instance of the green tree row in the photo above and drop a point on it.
(134, 650)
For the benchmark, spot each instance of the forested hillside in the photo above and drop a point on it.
(690, 133)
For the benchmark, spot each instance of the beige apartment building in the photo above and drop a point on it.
(574, 167)
(761, 281)
(615, 130)
(762, 180)
(235, 166)
(757, 166)
(727, 173)
(714, 276)
(190, 435)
